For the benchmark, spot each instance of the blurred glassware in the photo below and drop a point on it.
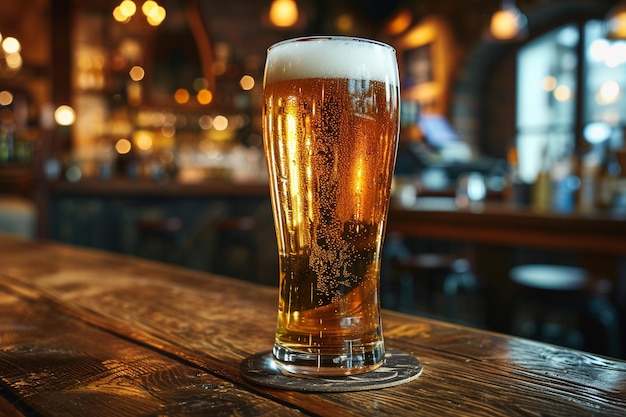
(470, 189)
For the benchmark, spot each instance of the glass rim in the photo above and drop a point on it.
(332, 38)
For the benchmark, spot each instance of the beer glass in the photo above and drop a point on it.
(330, 129)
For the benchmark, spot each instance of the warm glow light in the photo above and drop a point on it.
(181, 96)
(284, 13)
(11, 54)
(148, 7)
(609, 92)
(204, 96)
(246, 82)
(549, 83)
(143, 141)
(293, 150)
(64, 115)
(128, 8)
(220, 123)
(156, 16)
(505, 24)
(134, 93)
(344, 22)
(123, 146)
(562, 93)
(10, 45)
(119, 16)
(6, 98)
(154, 13)
(616, 22)
(136, 73)
(14, 61)
(401, 22)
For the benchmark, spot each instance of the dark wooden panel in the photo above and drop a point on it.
(121, 187)
(214, 323)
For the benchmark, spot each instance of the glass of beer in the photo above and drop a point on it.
(330, 129)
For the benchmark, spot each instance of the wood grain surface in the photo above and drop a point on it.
(91, 333)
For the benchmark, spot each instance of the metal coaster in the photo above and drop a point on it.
(399, 368)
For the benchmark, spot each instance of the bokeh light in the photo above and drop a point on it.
(204, 96)
(220, 123)
(137, 73)
(181, 96)
(246, 82)
(123, 146)
(65, 115)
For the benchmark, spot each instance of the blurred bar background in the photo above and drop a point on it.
(135, 127)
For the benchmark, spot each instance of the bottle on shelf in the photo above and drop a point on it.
(7, 142)
(542, 187)
(589, 165)
(564, 184)
(516, 191)
(607, 180)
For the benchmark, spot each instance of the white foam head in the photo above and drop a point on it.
(331, 57)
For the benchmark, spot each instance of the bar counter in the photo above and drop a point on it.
(602, 232)
(88, 332)
(167, 189)
(430, 217)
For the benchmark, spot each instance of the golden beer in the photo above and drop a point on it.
(330, 120)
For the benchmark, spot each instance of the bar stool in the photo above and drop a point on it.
(426, 279)
(557, 304)
(157, 238)
(236, 247)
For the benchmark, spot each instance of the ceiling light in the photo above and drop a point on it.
(284, 13)
(616, 21)
(508, 23)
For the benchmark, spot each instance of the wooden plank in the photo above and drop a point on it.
(56, 365)
(215, 323)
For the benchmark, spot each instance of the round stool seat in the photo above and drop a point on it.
(557, 304)
(433, 283)
(550, 277)
(157, 238)
(434, 262)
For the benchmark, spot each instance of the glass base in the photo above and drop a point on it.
(399, 368)
(291, 362)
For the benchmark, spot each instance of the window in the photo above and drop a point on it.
(552, 96)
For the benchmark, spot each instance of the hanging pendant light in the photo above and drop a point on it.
(153, 12)
(10, 56)
(508, 23)
(616, 21)
(283, 13)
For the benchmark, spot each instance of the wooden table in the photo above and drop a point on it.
(88, 333)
